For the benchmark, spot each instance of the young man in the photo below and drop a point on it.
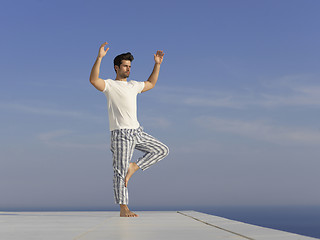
(126, 132)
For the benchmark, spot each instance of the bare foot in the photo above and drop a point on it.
(125, 212)
(133, 167)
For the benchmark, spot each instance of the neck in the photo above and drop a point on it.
(121, 79)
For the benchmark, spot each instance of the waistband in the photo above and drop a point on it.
(127, 130)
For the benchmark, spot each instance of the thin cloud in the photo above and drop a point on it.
(227, 102)
(48, 136)
(261, 130)
(299, 96)
(47, 111)
(61, 138)
(159, 122)
(288, 92)
(198, 146)
(200, 97)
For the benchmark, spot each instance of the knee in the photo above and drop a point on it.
(165, 151)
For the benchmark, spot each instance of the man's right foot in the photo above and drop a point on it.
(125, 212)
(133, 167)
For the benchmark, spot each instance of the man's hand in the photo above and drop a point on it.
(103, 52)
(158, 57)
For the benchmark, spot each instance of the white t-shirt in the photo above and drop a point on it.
(122, 103)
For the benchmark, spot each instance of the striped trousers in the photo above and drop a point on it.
(123, 143)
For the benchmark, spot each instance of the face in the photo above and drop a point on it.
(124, 70)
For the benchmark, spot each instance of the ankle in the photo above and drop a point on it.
(123, 206)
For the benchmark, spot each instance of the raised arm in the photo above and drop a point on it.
(97, 82)
(152, 80)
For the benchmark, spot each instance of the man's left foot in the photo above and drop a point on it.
(133, 167)
(125, 212)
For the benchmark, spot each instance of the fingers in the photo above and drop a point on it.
(102, 51)
(160, 53)
(104, 44)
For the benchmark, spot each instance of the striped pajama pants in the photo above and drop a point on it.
(123, 143)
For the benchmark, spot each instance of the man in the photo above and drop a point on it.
(126, 132)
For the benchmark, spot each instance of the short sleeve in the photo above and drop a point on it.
(140, 86)
(105, 86)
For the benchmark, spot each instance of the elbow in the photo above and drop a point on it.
(151, 84)
(92, 80)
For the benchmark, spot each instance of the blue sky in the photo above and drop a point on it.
(237, 101)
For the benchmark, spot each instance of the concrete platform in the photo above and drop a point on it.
(149, 225)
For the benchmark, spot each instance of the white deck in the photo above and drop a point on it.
(148, 226)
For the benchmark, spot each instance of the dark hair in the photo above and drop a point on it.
(124, 56)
